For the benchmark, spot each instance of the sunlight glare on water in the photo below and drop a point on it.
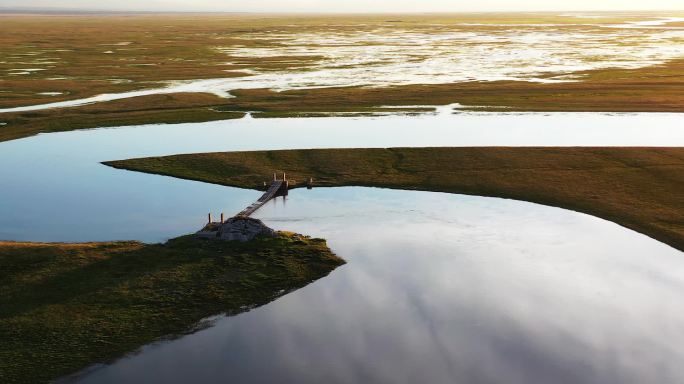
(445, 289)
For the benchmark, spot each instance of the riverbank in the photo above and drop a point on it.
(639, 188)
(66, 306)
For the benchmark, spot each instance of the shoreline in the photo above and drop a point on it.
(175, 85)
(637, 188)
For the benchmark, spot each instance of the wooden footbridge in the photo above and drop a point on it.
(241, 227)
(277, 188)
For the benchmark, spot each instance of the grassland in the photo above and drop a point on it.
(158, 109)
(57, 58)
(66, 306)
(651, 89)
(86, 55)
(639, 188)
(81, 56)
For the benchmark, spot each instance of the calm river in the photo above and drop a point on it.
(438, 288)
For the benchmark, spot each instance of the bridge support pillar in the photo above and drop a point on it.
(282, 191)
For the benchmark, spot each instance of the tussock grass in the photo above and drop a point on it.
(66, 306)
(160, 48)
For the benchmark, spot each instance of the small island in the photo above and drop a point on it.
(65, 306)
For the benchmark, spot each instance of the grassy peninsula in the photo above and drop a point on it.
(66, 306)
(639, 188)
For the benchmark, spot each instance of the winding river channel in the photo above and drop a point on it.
(439, 288)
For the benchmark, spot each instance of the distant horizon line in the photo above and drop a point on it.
(67, 11)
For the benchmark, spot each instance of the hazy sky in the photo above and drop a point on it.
(351, 5)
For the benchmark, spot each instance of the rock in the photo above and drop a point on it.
(236, 229)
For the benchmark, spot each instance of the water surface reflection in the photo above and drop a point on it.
(445, 288)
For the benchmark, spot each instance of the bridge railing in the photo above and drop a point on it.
(272, 192)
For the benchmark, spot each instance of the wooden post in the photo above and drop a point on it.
(221, 217)
(284, 178)
(209, 217)
(274, 176)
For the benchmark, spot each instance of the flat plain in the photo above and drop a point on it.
(66, 306)
(213, 67)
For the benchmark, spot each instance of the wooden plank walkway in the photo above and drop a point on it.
(272, 192)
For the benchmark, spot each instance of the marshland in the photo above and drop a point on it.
(496, 197)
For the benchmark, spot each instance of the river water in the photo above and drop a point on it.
(438, 287)
(55, 189)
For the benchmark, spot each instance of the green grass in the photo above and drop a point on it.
(639, 188)
(66, 306)
(155, 109)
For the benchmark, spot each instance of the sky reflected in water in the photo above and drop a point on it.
(446, 288)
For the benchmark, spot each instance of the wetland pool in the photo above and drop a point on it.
(445, 288)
